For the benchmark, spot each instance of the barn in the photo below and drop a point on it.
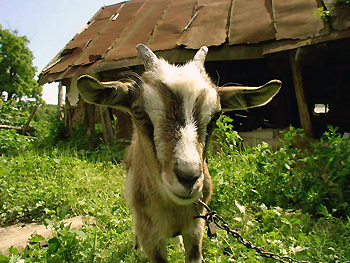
(304, 43)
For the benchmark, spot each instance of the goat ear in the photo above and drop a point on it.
(241, 98)
(200, 56)
(110, 94)
(150, 60)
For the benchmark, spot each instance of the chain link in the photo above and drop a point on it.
(212, 216)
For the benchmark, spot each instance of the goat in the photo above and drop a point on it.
(173, 110)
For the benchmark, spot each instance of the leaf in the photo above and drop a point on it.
(13, 250)
(63, 212)
(221, 180)
(285, 220)
(287, 166)
(79, 233)
(272, 234)
(300, 252)
(323, 211)
(47, 222)
(3, 259)
(36, 238)
(240, 207)
(54, 245)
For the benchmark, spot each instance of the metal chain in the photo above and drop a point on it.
(212, 216)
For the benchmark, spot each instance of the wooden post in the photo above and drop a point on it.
(304, 115)
(60, 100)
(107, 129)
(29, 120)
(89, 120)
(68, 111)
(123, 125)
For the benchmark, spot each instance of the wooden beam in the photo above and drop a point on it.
(123, 124)
(60, 99)
(304, 114)
(29, 120)
(69, 122)
(18, 128)
(89, 120)
(107, 129)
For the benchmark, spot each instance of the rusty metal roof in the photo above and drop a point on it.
(232, 29)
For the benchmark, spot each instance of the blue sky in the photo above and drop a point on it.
(49, 25)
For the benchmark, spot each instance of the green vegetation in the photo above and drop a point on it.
(16, 68)
(309, 179)
(289, 201)
(344, 2)
(327, 14)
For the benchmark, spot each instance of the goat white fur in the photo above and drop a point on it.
(173, 110)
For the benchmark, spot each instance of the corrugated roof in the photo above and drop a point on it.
(238, 29)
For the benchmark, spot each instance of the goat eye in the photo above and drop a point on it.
(139, 113)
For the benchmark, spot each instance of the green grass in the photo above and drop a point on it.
(38, 186)
(260, 192)
(279, 230)
(35, 185)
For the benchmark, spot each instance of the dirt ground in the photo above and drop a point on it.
(18, 235)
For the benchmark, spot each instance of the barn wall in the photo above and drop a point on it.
(281, 111)
(325, 74)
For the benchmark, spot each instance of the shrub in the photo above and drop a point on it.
(14, 113)
(13, 143)
(225, 139)
(33, 185)
(311, 179)
(255, 190)
(326, 175)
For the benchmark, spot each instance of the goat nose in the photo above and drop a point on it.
(187, 177)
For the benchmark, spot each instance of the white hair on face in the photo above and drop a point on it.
(154, 106)
(188, 82)
(153, 103)
(210, 105)
(185, 149)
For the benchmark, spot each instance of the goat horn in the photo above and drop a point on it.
(149, 58)
(199, 58)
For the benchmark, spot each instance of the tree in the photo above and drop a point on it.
(16, 67)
